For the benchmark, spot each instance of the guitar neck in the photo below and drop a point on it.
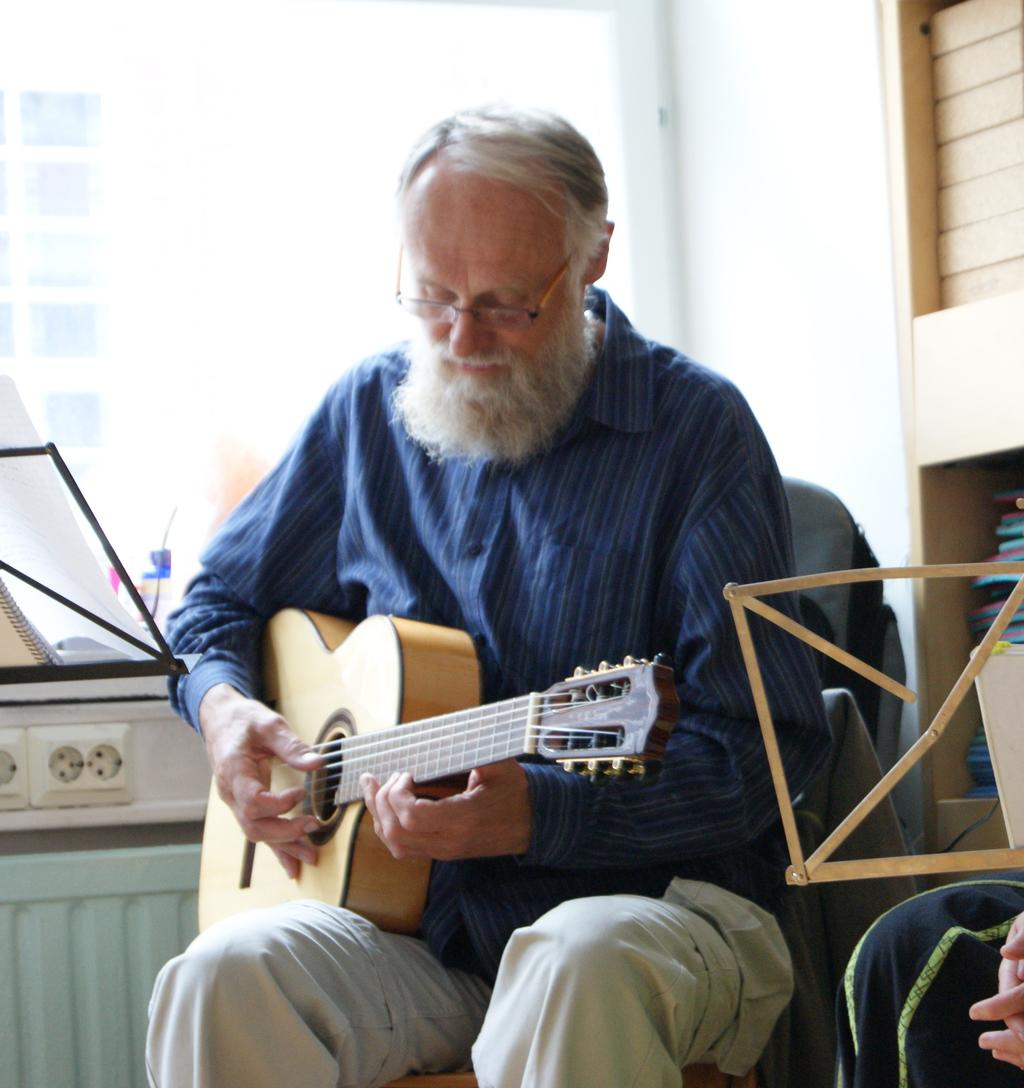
(435, 748)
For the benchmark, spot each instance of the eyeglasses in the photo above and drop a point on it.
(494, 317)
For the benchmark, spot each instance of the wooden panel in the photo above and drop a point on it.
(980, 108)
(981, 198)
(912, 131)
(977, 245)
(987, 282)
(979, 63)
(973, 20)
(981, 153)
(958, 526)
(969, 381)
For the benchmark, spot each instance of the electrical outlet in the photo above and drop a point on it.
(13, 769)
(87, 764)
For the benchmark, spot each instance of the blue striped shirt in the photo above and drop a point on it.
(617, 540)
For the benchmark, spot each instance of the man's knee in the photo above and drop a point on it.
(280, 947)
(603, 938)
(227, 958)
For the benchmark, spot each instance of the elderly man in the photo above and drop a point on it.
(534, 472)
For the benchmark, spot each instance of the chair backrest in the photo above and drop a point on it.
(827, 537)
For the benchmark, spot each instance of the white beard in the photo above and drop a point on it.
(506, 416)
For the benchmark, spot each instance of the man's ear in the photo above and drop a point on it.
(599, 262)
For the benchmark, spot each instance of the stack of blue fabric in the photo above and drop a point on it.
(1010, 541)
(979, 767)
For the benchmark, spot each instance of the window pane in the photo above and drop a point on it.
(74, 419)
(3, 188)
(50, 119)
(64, 329)
(244, 221)
(6, 329)
(61, 188)
(63, 260)
(5, 260)
(3, 122)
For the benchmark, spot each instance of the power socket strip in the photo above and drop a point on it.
(13, 769)
(86, 764)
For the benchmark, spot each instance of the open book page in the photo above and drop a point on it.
(40, 536)
(1000, 687)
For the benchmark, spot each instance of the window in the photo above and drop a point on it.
(196, 220)
(6, 331)
(59, 120)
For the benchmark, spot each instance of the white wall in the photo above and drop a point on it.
(787, 278)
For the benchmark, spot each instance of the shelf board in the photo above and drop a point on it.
(964, 409)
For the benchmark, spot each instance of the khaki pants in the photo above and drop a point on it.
(613, 991)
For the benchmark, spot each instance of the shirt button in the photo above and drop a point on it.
(480, 640)
(474, 550)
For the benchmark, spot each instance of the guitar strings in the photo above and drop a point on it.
(345, 784)
(391, 759)
(363, 751)
(506, 707)
(502, 715)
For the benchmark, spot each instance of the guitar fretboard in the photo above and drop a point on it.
(437, 747)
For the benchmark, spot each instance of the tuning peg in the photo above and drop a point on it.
(603, 667)
(616, 768)
(623, 768)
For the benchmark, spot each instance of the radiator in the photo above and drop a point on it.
(82, 936)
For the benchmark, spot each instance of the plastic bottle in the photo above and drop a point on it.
(155, 587)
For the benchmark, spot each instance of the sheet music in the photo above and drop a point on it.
(40, 536)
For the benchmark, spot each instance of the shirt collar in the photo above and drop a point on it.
(621, 395)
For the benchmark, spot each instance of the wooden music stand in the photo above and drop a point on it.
(818, 868)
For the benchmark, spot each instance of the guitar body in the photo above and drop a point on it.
(330, 678)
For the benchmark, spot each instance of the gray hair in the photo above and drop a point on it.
(534, 150)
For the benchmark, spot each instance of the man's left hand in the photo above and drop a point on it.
(492, 816)
(1008, 1004)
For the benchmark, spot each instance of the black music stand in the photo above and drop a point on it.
(158, 660)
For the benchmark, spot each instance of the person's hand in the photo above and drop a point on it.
(1007, 1005)
(492, 816)
(243, 737)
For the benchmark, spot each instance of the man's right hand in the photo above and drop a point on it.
(243, 737)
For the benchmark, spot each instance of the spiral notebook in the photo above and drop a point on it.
(20, 641)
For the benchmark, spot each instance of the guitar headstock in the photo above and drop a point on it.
(611, 722)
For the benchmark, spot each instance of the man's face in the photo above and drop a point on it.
(472, 241)
(475, 390)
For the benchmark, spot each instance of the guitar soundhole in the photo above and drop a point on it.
(322, 784)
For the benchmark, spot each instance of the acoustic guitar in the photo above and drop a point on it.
(391, 695)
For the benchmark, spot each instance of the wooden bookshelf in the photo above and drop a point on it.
(962, 386)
